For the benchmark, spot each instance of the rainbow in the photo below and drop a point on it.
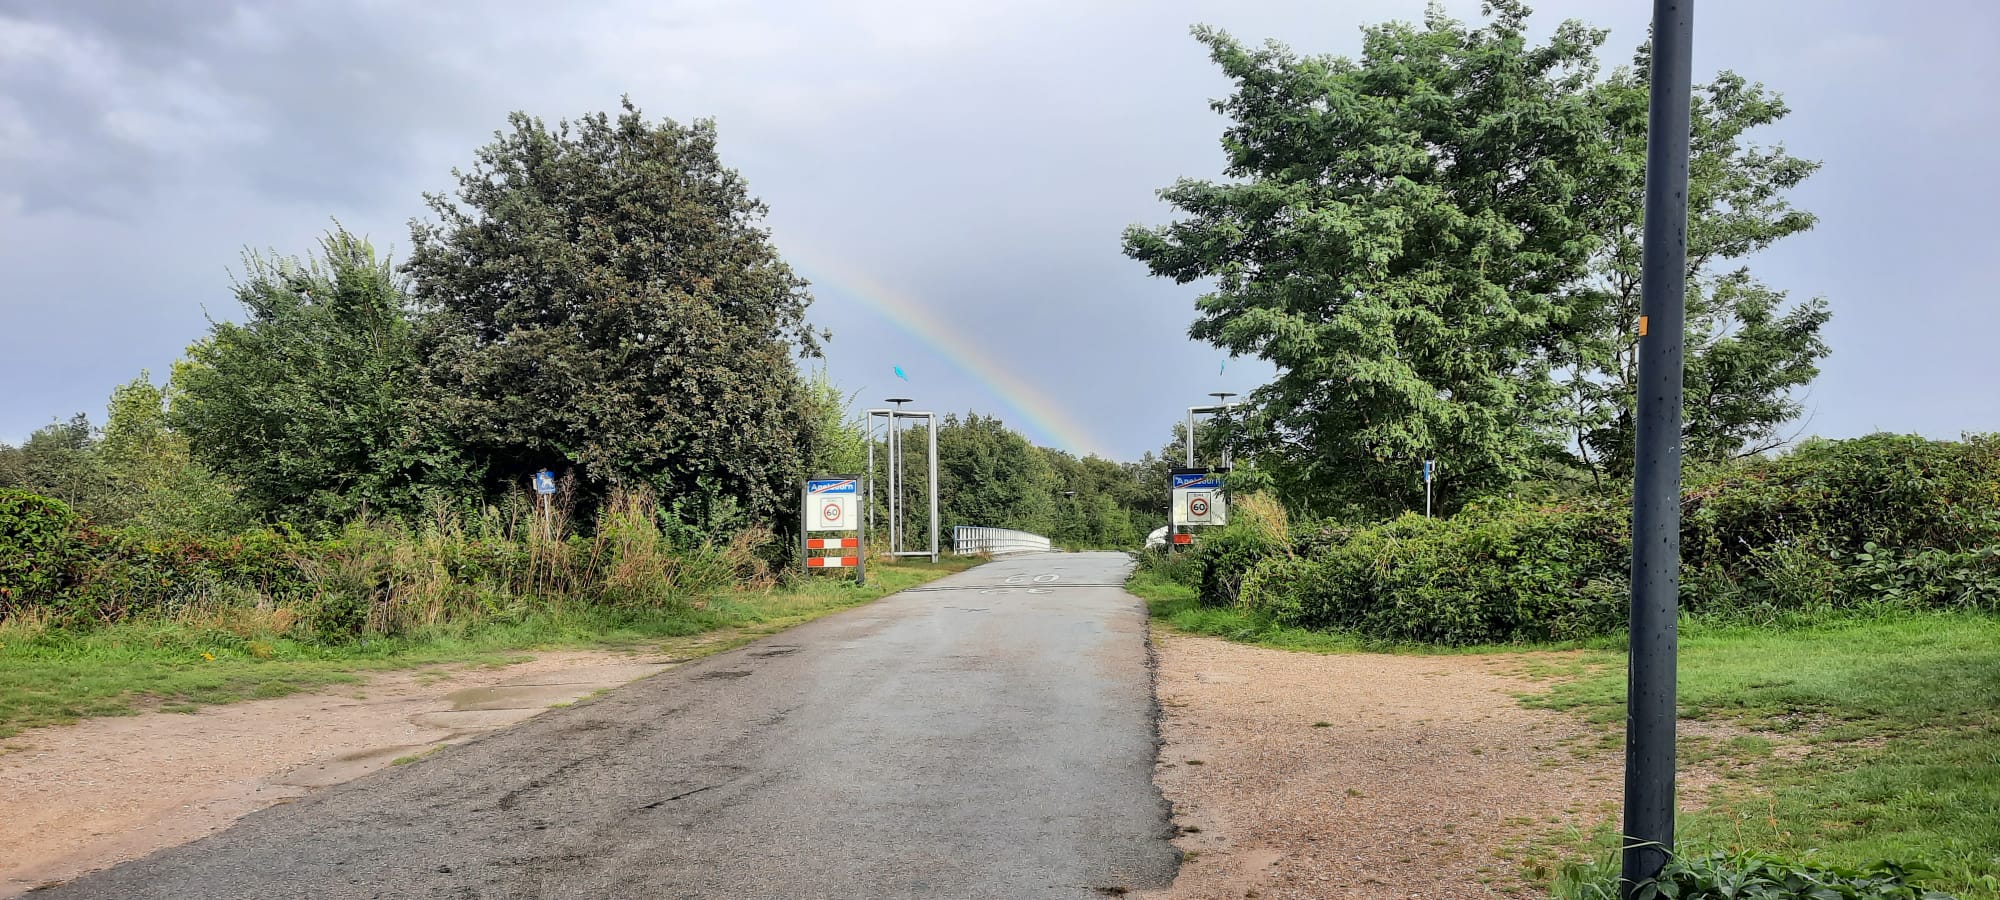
(1040, 411)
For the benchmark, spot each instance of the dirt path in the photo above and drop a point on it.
(85, 796)
(1424, 768)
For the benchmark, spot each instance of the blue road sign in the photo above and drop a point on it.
(830, 486)
(1430, 470)
(1197, 482)
(545, 482)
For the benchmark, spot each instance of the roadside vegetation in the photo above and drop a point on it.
(1840, 652)
(337, 478)
(1436, 246)
(206, 654)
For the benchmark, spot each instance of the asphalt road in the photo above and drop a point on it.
(988, 735)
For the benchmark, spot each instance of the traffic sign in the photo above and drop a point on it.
(832, 504)
(545, 482)
(1197, 498)
(1197, 481)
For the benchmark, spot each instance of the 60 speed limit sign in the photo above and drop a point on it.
(1198, 507)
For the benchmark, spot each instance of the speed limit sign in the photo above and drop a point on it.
(1198, 507)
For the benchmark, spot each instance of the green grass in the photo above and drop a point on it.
(1899, 724)
(1860, 739)
(1175, 604)
(51, 676)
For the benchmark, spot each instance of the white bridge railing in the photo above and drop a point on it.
(969, 539)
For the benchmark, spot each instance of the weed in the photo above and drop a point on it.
(406, 760)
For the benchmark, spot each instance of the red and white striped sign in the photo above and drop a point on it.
(831, 543)
(832, 562)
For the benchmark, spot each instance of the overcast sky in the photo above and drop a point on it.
(953, 177)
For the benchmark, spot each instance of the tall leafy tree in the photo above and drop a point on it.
(1438, 244)
(309, 404)
(155, 482)
(60, 460)
(1747, 347)
(1397, 236)
(602, 296)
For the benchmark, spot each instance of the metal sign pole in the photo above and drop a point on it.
(868, 487)
(1188, 436)
(860, 554)
(805, 536)
(1656, 481)
(895, 488)
(931, 426)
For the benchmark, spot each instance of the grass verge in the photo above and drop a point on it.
(52, 676)
(1845, 743)
(1842, 742)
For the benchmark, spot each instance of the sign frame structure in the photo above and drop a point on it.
(830, 504)
(1198, 498)
(895, 503)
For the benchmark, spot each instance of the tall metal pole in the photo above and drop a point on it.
(1656, 482)
(897, 508)
(868, 486)
(931, 427)
(895, 491)
(1189, 437)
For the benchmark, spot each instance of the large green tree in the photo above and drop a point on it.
(1747, 349)
(60, 460)
(1436, 245)
(309, 405)
(602, 296)
(1396, 237)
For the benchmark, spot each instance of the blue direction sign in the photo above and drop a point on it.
(545, 482)
(1194, 482)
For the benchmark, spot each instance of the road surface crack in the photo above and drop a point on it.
(666, 800)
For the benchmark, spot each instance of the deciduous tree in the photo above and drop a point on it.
(602, 296)
(309, 405)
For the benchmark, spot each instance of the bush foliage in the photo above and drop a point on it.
(1884, 521)
(1756, 876)
(371, 577)
(37, 545)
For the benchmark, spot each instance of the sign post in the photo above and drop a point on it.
(1430, 475)
(1198, 499)
(544, 482)
(831, 504)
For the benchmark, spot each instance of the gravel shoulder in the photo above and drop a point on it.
(1300, 775)
(85, 796)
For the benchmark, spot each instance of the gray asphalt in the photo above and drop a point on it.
(988, 735)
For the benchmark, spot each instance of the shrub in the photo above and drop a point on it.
(1258, 528)
(38, 546)
(1177, 566)
(1880, 521)
(1497, 573)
